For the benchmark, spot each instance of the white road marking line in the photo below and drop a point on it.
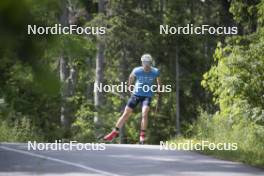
(60, 161)
(139, 146)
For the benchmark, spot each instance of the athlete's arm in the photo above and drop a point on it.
(130, 81)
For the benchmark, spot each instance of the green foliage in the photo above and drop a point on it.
(247, 134)
(29, 67)
(21, 130)
(236, 81)
(245, 13)
(260, 8)
(83, 126)
(32, 91)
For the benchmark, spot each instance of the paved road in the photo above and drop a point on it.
(125, 160)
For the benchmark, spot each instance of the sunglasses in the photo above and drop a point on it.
(146, 62)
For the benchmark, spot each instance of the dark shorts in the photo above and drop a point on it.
(134, 100)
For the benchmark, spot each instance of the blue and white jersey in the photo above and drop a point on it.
(144, 81)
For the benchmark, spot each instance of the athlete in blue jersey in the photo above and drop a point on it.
(145, 78)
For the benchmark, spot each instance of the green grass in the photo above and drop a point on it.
(21, 131)
(248, 135)
(253, 155)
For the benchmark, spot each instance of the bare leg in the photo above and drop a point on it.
(144, 121)
(126, 114)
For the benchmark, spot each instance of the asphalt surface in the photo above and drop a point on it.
(17, 160)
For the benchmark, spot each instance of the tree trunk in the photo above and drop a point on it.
(68, 77)
(123, 78)
(90, 88)
(177, 93)
(99, 72)
(64, 118)
(99, 78)
(64, 73)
